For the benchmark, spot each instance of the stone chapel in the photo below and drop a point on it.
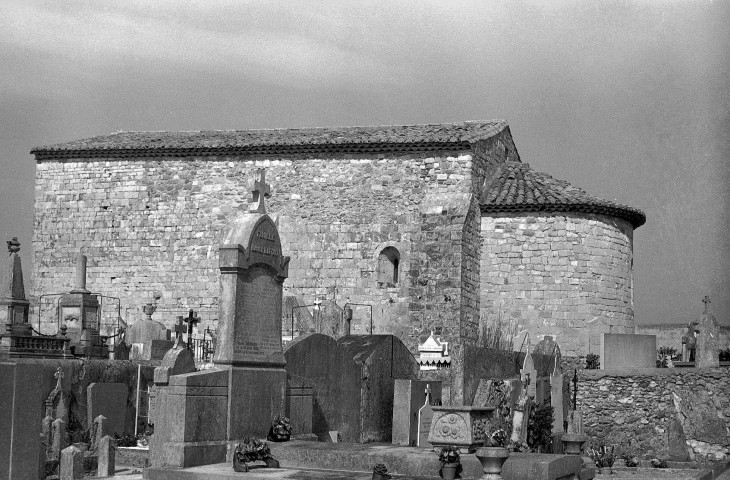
(422, 227)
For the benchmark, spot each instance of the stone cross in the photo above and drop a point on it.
(707, 302)
(179, 330)
(191, 320)
(58, 376)
(261, 190)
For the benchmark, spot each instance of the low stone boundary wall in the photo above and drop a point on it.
(679, 414)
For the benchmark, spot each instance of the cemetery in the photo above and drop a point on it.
(267, 394)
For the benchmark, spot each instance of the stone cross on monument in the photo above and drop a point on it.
(708, 339)
(261, 190)
(246, 386)
(191, 320)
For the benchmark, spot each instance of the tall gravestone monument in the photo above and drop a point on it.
(708, 338)
(201, 415)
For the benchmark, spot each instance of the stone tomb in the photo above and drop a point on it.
(354, 379)
(200, 414)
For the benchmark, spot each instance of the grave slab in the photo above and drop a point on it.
(109, 400)
(624, 350)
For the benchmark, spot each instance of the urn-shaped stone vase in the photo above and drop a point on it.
(492, 460)
(461, 427)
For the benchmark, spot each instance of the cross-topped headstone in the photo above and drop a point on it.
(191, 320)
(707, 302)
(179, 330)
(261, 190)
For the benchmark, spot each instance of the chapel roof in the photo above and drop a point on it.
(516, 188)
(291, 140)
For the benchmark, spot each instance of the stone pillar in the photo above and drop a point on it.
(106, 456)
(556, 400)
(80, 283)
(72, 464)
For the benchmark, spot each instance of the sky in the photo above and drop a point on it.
(628, 100)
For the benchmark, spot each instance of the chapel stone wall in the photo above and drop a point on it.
(153, 226)
(569, 276)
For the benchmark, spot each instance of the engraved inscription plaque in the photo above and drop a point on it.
(258, 335)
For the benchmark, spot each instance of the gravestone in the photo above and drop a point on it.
(556, 398)
(245, 389)
(708, 338)
(627, 350)
(528, 374)
(106, 457)
(109, 400)
(408, 397)
(424, 421)
(59, 438)
(72, 464)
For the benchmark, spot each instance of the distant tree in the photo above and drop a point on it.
(664, 354)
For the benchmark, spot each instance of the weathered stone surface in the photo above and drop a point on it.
(567, 256)
(109, 400)
(677, 443)
(642, 409)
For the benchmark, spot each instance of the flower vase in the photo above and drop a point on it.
(492, 460)
(448, 471)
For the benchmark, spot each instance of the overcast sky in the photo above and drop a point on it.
(627, 100)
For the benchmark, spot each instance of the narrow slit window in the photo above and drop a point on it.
(388, 267)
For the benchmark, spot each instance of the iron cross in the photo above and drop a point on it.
(261, 190)
(191, 321)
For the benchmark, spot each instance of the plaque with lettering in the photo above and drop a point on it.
(264, 245)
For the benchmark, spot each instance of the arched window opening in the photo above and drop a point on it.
(388, 267)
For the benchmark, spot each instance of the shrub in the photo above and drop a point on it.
(593, 361)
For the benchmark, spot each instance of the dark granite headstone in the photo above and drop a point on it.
(109, 400)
